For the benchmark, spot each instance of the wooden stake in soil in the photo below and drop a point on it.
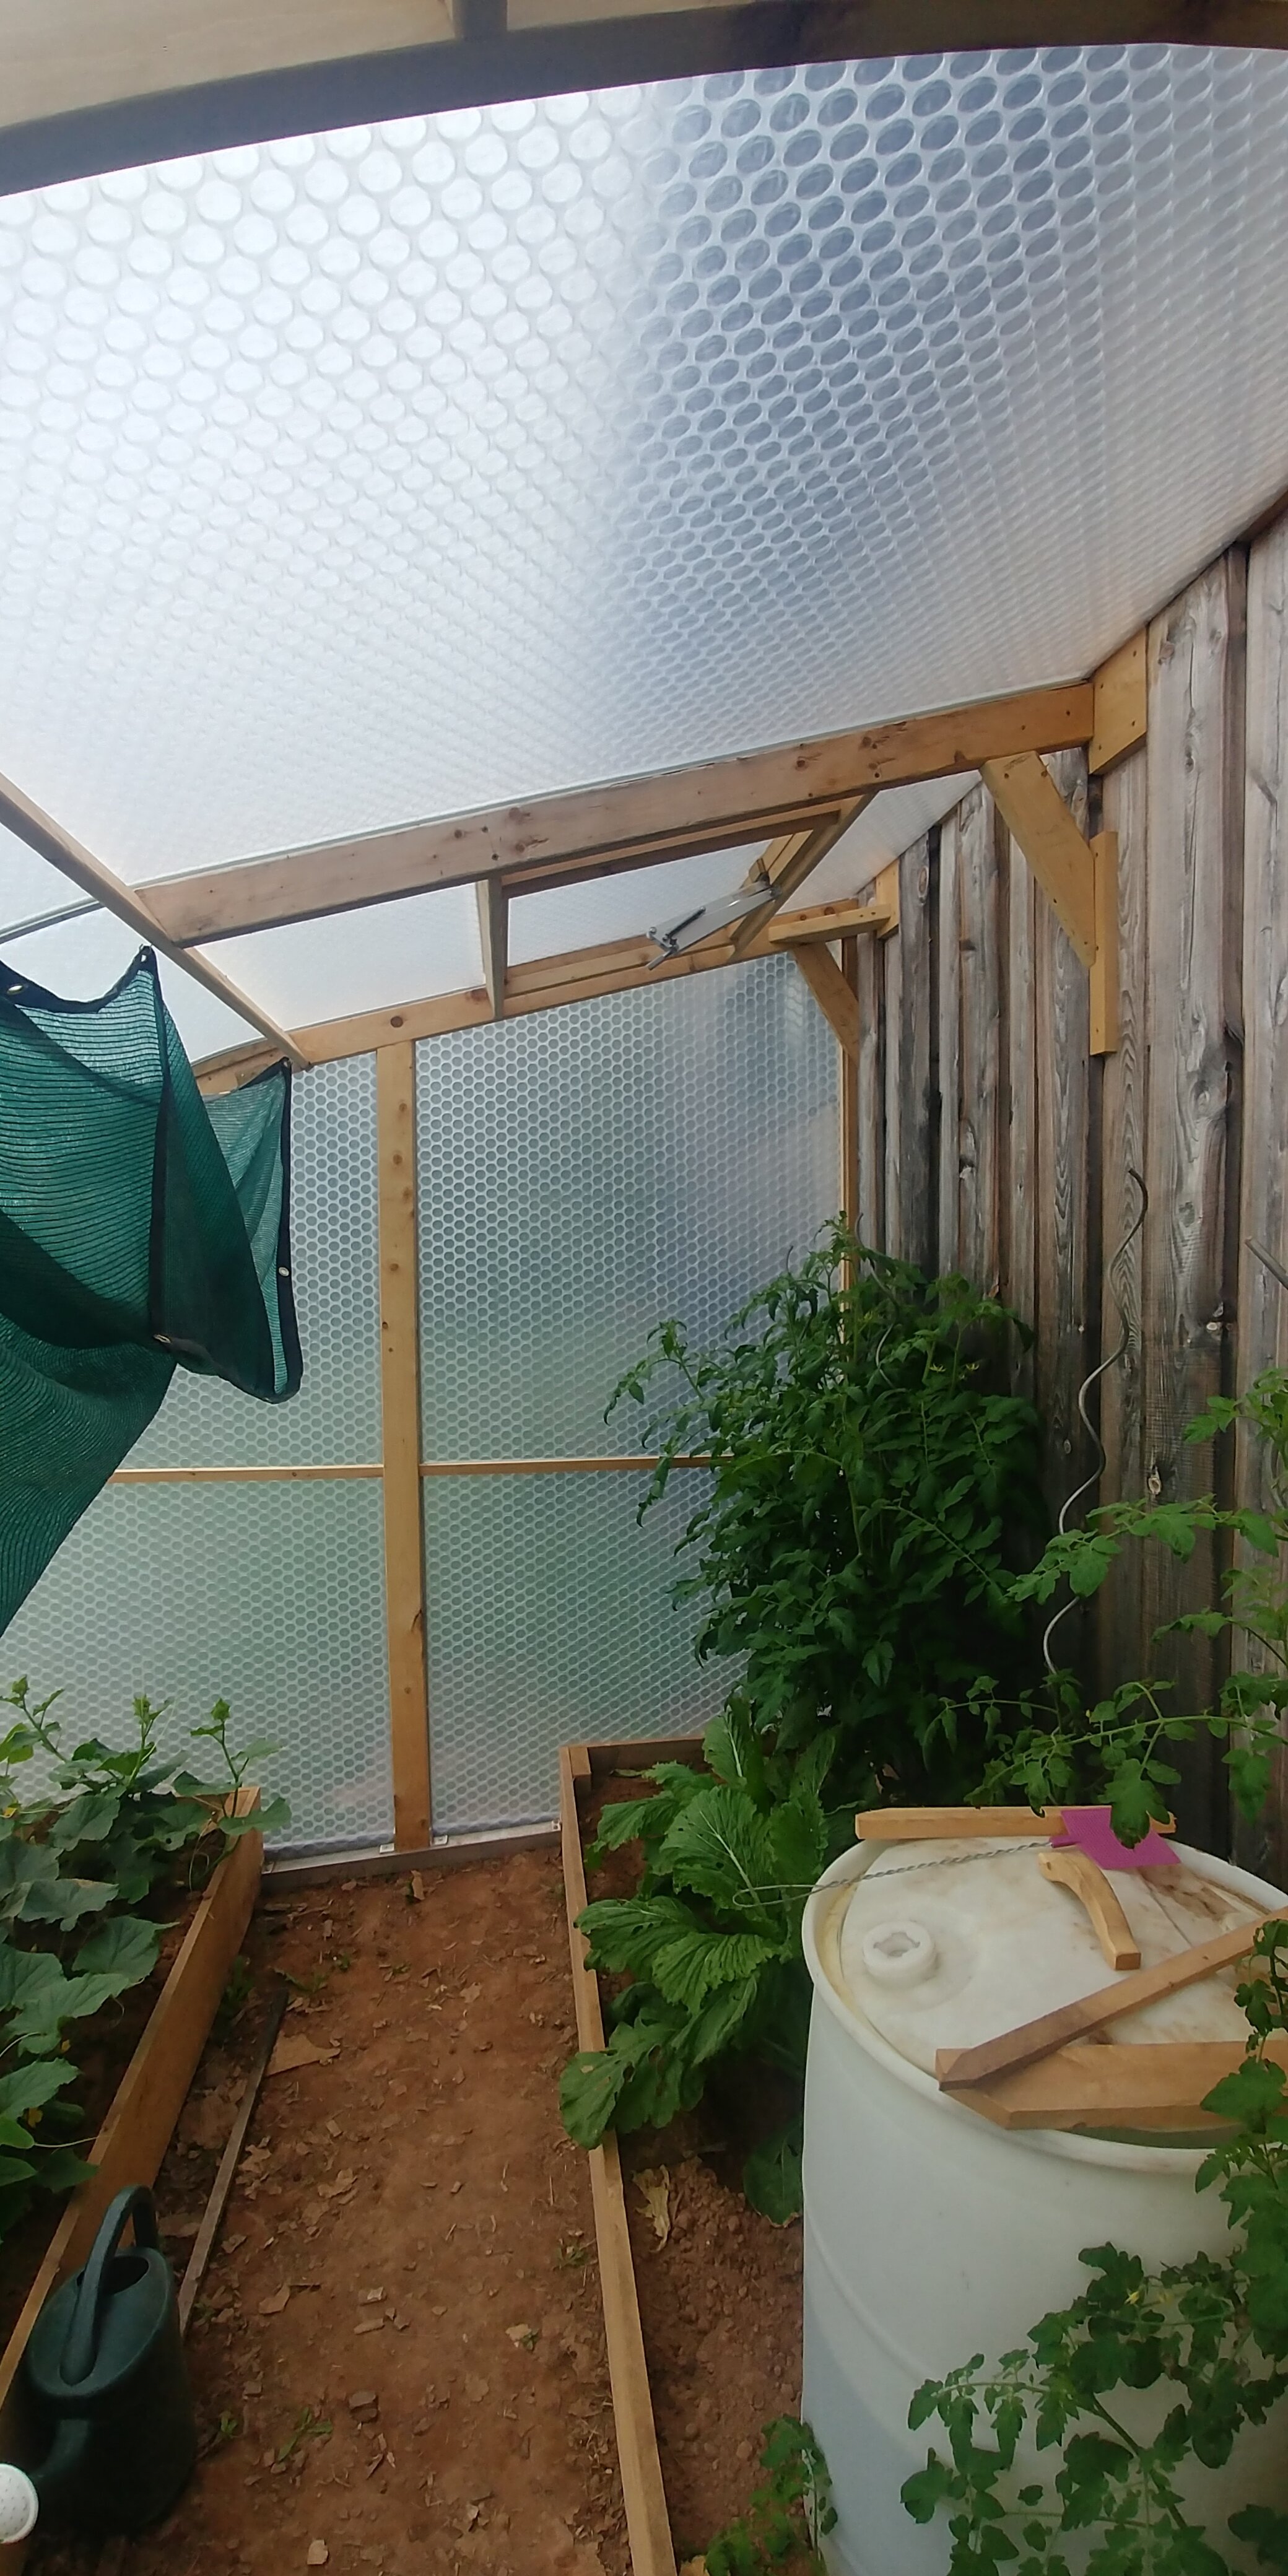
(647, 2520)
(204, 2242)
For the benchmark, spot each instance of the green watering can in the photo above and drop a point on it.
(108, 2387)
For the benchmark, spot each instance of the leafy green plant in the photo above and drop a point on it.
(237, 1993)
(788, 2512)
(870, 1492)
(1210, 2335)
(873, 1487)
(108, 1829)
(1120, 1750)
(711, 1941)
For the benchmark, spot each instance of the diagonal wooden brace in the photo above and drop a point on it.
(1078, 877)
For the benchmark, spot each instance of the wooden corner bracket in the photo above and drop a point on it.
(1078, 877)
(805, 936)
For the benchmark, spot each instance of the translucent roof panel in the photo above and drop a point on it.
(81, 959)
(622, 907)
(29, 886)
(884, 830)
(360, 961)
(379, 474)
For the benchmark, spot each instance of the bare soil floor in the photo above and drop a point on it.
(398, 2357)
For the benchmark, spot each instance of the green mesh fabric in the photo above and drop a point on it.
(140, 1225)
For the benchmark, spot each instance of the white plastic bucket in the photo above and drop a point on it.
(931, 2235)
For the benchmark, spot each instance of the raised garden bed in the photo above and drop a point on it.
(702, 2322)
(398, 2349)
(134, 2134)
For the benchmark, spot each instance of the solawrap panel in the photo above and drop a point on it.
(584, 1174)
(268, 1594)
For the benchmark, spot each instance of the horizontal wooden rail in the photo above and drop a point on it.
(370, 1469)
(237, 1475)
(544, 1466)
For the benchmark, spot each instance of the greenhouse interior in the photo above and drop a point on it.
(643, 1288)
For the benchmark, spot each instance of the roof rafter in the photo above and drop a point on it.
(38, 829)
(634, 822)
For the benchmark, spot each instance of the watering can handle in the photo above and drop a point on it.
(81, 2349)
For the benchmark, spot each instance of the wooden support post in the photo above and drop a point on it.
(494, 908)
(1079, 878)
(835, 1000)
(1104, 965)
(848, 1098)
(400, 1405)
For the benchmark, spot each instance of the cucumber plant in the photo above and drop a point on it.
(106, 1830)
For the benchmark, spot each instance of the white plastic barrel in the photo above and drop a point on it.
(930, 2234)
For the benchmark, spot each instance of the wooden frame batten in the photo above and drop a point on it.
(400, 1415)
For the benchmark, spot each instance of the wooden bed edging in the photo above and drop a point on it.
(147, 2102)
(648, 2523)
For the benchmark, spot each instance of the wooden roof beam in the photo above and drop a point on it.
(40, 832)
(632, 822)
(578, 975)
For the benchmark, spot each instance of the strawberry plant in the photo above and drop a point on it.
(1211, 2336)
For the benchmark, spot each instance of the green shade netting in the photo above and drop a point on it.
(140, 1225)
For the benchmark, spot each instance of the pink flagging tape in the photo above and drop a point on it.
(1091, 1830)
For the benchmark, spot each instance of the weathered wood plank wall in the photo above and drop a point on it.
(992, 1143)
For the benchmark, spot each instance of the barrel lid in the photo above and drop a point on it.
(946, 1944)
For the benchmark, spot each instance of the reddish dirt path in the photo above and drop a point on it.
(431, 2397)
(416, 2198)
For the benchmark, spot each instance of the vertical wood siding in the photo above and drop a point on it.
(991, 1143)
